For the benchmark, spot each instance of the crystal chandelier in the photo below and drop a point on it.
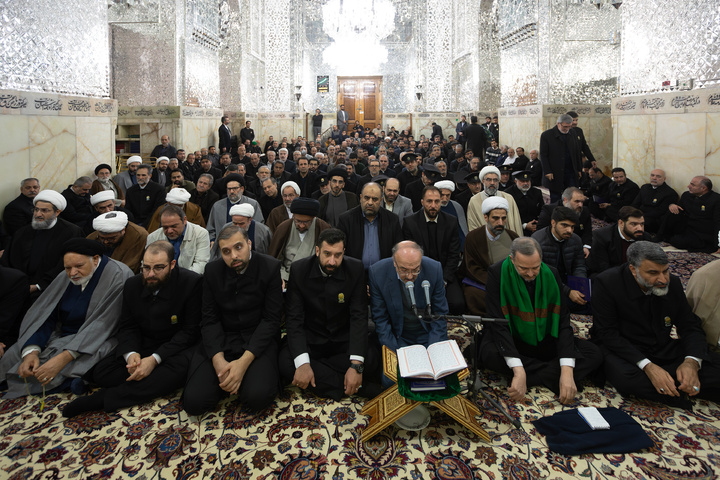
(357, 23)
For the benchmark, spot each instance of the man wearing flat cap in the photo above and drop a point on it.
(259, 234)
(191, 242)
(104, 182)
(159, 326)
(180, 198)
(490, 177)
(289, 192)
(70, 327)
(124, 241)
(143, 198)
(127, 179)
(337, 201)
(529, 200)
(36, 249)
(411, 172)
(234, 186)
(323, 186)
(295, 238)
(473, 186)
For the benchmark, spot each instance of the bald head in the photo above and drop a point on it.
(657, 177)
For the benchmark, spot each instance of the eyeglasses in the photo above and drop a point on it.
(408, 271)
(154, 268)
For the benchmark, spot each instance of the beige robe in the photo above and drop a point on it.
(476, 218)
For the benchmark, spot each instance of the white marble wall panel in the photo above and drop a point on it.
(680, 147)
(14, 156)
(422, 123)
(521, 132)
(277, 125)
(93, 143)
(52, 145)
(198, 133)
(712, 148)
(636, 141)
(599, 135)
(401, 121)
(152, 130)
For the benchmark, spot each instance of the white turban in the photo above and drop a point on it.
(103, 196)
(162, 158)
(177, 196)
(445, 184)
(110, 222)
(489, 169)
(292, 184)
(243, 210)
(134, 159)
(491, 203)
(51, 196)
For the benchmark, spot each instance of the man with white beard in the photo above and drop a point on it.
(104, 182)
(490, 178)
(635, 307)
(70, 327)
(36, 249)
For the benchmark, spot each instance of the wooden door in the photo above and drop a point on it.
(362, 97)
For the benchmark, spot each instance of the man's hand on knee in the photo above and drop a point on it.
(568, 389)
(661, 380)
(687, 375)
(518, 386)
(304, 376)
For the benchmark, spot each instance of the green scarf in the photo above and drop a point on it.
(530, 325)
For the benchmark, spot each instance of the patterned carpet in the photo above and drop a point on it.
(303, 437)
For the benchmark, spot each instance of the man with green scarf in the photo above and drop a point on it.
(537, 346)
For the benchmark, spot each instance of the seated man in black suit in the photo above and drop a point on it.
(538, 352)
(327, 329)
(572, 197)
(621, 193)
(242, 304)
(610, 244)
(159, 324)
(529, 200)
(654, 200)
(635, 307)
(143, 198)
(693, 223)
(437, 233)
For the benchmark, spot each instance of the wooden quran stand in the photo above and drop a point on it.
(389, 406)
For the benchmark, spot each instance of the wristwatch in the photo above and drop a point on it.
(358, 367)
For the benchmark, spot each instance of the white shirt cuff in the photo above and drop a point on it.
(29, 349)
(358, 358)
(513, 362)
(643, 363)
(301, 360)
(567, 362)
(127, 355)
(38, 287)
(74, 354)
(587, 246)
(157, 358)
(699, 360)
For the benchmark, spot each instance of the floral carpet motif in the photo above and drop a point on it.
(304, 437)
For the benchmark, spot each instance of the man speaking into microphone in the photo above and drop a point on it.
(399, 302)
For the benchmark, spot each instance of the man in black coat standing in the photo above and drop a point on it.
(561, 158)
(578, 132)
(159, 325)
(635, 308)
(327, 330)
(145, 197)
(437, 233)
(225, 135)
(242, 305)
(247, 133)
(476, 139)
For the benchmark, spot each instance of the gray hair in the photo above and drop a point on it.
(564, 118)
(643, 250)
(84, 180)
(283, 150)
(569, 192)
(26, 180)
(210, 178)
(525, 246)
(147, 167)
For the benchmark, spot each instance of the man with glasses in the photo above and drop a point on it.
(396, 321)
(190, 242)
(234, 185)
(123, 240)
(289, 192)
(160, 322)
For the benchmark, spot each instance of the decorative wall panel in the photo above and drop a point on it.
(488, 51)
(201, 86)
(230, 56)
(438, 61)
(669, 40)
(42, 54)
(279, 51)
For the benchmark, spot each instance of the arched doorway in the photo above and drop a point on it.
(362, 97)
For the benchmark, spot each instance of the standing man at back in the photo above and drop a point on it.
(342, 119)
(560, 157)
(475, 138)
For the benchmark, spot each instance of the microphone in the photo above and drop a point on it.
(411, 290)
(426, 288)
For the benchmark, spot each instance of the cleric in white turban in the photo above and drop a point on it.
(490, 178)
(259, 234)
(177, 196)
(494, 202)
(124, 241)
(101, 197)
(180, 197)
(70, 327)
(52, 197)
(126, 179)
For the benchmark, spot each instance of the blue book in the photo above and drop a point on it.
(581, 284)
(427, 385)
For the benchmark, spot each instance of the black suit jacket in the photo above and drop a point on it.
(14, 291)
(167, 323)
(40, 265)
(584, 148)
(225, 139)
(78, 211)
(352, 202)
(529, 205)
(606, 249)
(635, 326)
(413, 191)
(582, 229)
(389, 233)
(561, 347)
(654, 203)
(142, 203)
(552, 156)
(476, 140)
(323, 310)
(447, 240)
(241, 312)
(18, 213)
(437, 130)
(620, 196)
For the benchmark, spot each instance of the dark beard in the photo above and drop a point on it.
(156, 287)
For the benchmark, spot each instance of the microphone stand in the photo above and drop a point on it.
(475, 384)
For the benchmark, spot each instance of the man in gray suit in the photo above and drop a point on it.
(393, 201)
(126, 179)
(342, 119)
